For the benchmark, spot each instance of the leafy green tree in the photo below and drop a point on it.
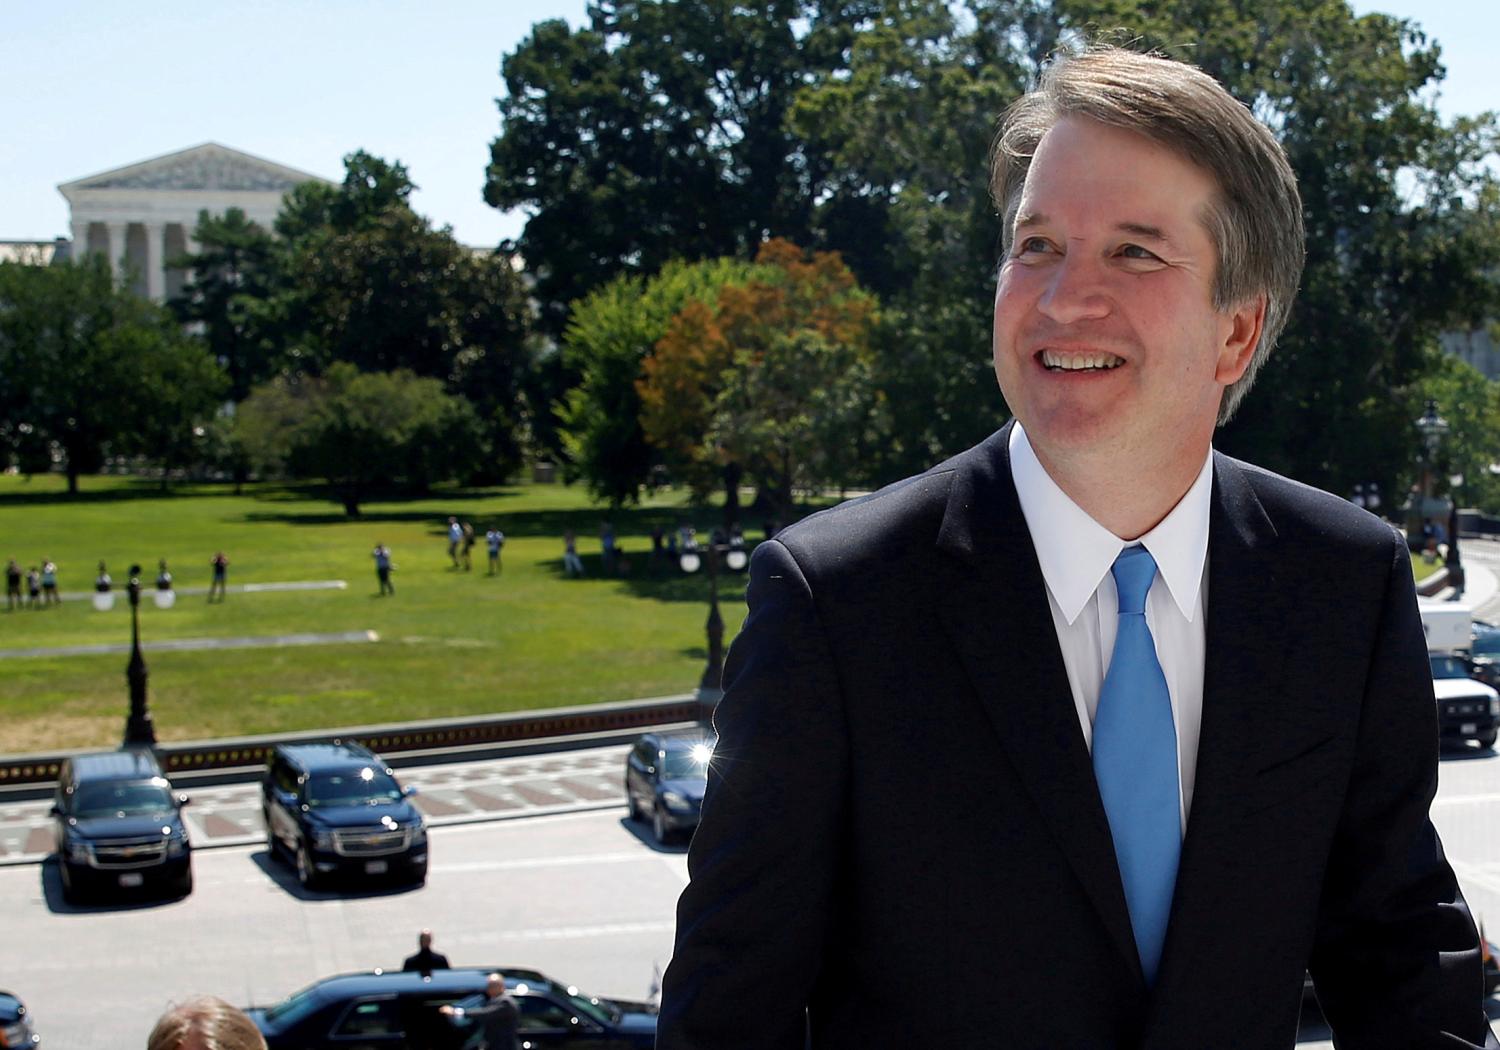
(234, 273)
(364, 280)
(658, 132)
(93, 369)
(610, 334)
(1471, 405)
(362, 432)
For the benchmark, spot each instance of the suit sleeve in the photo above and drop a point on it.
(1396, 956)
(753, 921)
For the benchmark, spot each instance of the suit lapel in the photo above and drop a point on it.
(995, 611)
(1248, 610)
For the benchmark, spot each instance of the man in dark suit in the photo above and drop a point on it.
(424, 960)
(489, 1019)
(1090, 737)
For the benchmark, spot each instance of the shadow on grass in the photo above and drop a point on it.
(659, 581)
(120, 490)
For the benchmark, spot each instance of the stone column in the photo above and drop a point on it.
(156, 275)
(80, 240)
(116, 246)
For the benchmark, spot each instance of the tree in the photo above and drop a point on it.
(363, 279)
(610, 334)
(1471, 405)
(93, 369)
(773, 380)
(233, 275)
(360, 431)
(658, 132)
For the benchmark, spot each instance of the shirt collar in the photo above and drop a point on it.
(1075, 551)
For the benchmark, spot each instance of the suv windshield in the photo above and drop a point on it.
(590, 1008)
(120, 800)
(356, 787)
(1448, 667)
(691, 764)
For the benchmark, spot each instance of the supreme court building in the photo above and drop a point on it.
(143, 215)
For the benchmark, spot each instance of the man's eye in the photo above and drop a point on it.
(1135, 251)
(1031, 245)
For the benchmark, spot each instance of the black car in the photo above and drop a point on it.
(117, 827)
(337, 810)
(365, 1011)
(15, 1023)
(665, 775)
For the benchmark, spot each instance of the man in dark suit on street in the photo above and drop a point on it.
(1028, 752)
(424, 960)
(489, 1020)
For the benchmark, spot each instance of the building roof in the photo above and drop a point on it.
(206, 167)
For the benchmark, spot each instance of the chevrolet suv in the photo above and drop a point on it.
(117, 827)
(337, 810)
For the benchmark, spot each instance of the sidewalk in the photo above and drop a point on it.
(462, 793)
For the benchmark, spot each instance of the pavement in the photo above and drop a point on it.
(460, 793)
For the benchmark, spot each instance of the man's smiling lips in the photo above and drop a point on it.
(1084, 361)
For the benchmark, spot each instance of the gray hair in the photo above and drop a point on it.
(1255, 220)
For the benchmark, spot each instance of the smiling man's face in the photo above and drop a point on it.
(1106, 338)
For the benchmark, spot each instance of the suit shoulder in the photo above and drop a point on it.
(899, 512)
(1301, 512)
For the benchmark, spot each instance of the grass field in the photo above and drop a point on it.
(451, 642)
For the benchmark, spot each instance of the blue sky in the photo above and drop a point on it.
(91, 85)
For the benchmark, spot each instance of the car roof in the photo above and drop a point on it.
(333, 755)
(116, 765)
(465, 979)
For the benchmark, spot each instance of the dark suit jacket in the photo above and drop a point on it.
(902, 844)
(492, 1021)
(425, 960)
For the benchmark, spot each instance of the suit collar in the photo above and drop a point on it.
(995, 611)
(997, 616)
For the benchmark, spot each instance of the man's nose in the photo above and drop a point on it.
(1075, 290)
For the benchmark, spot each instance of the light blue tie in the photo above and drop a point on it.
(1135, 763)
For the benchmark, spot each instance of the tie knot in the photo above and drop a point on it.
(1133, 571)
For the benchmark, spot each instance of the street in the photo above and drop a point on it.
(582, 897)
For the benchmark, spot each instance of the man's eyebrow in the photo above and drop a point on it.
(1030, 218)
(1144, 230)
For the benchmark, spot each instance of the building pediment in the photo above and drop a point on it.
(209, 167)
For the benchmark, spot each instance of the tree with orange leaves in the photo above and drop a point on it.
(772, 381)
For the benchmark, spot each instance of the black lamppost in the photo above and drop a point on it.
(139, 732)
(711, 685)
(1431, 427)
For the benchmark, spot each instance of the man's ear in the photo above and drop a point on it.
(1240, 334)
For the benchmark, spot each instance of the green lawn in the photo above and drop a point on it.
(1421, 568)
(451, 643)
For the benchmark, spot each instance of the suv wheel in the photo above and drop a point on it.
(635, 807)
(184, 885)
(307, 875)
(659, 825)
(1486, 739)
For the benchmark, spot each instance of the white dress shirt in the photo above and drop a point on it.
(1076, 554)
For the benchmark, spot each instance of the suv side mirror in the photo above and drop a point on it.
(56, 810)
(183, 800)
(409, 790)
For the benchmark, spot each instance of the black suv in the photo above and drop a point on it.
(665, 775)
(118, 827)
(336, 809)
(363, 1011)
